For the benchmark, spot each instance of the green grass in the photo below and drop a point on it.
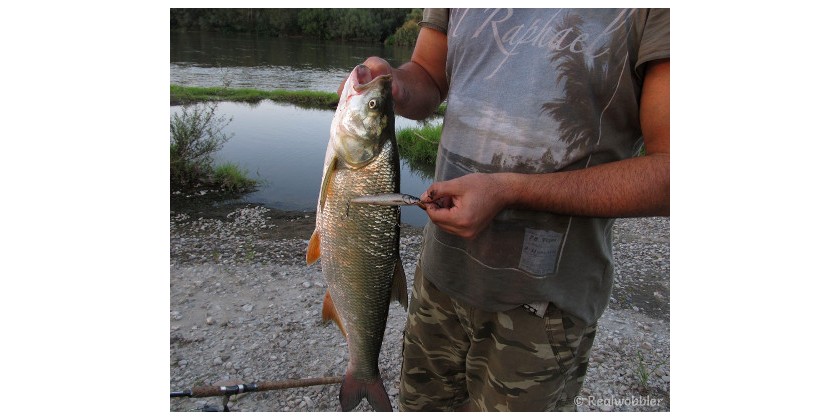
(304, 98)
(420, 144)
(230, 177)
(643, 372)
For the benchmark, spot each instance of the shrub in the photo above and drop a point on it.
(195, 133)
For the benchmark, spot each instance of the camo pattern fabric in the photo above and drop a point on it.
(457, 357)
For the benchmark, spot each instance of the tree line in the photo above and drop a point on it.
(392, 26)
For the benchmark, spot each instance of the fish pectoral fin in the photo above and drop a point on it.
(313, 251)
(326, 181)
(329, 313)
(399, 289)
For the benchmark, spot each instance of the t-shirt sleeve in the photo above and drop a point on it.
(437, 19)
(655, 40)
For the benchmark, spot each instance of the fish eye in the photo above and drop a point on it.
(372, 103)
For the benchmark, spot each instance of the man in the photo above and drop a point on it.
(547, 112)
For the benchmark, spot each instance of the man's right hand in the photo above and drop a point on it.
(375, 67)
(419, 86)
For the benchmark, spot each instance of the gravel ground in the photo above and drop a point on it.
(245, 308)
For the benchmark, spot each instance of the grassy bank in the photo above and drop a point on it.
(304, 98)
(179, 95)
(420, 145)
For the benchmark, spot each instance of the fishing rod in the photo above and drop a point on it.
(227, 390)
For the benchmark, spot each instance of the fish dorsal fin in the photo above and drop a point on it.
(329, 313)
(313, 251)
(399, 290)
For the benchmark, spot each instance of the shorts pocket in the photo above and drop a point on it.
(565, 334)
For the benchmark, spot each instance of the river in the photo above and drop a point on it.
(281, 145)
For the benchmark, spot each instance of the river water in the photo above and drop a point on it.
(212, 59)
(281, 145)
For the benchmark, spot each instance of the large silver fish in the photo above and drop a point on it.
(358, 244)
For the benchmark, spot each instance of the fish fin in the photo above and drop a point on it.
(326, 181)
(313, 251)
(329, 313)
(399, 290)
(353, 390)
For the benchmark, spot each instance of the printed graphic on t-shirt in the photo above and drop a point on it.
(563, 70)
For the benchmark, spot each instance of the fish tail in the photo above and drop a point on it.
(353, 390)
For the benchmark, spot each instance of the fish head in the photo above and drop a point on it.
(364, 119)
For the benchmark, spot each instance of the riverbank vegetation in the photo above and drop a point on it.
(407, 34)
(374, 25)
(179, 95)
(195, 134)
(182, 95)
(419, 145)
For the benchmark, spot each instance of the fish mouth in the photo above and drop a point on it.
(360, 78)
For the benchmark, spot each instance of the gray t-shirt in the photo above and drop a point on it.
(535, 91)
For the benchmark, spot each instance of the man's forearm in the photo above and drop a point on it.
(634, 187)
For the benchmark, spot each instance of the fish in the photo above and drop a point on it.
(357, 244)
(390, 200)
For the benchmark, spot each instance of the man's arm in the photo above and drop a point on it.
(637, 186)
(422, 82)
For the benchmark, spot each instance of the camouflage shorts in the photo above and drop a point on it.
(458, 357)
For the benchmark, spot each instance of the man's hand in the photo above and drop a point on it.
(465, 206)
(375, 67)
(419, 86)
